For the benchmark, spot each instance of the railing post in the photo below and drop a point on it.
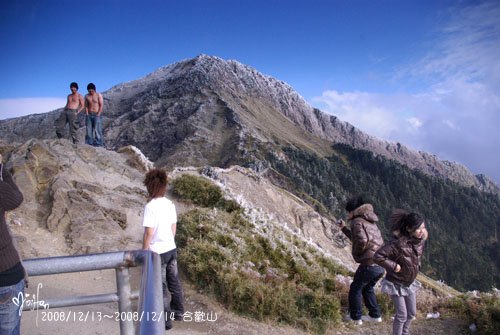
(124, 302)
(150, 315)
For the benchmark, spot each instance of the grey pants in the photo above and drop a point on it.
(406, 310)
(67, 116)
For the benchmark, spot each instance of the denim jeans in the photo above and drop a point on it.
(93, 124)
(406, 310)
(10, 317)
(361, 289)
(176, 303)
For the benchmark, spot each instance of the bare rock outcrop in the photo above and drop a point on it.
(76, 199)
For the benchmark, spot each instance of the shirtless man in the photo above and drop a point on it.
(93, 120)
(74, 105)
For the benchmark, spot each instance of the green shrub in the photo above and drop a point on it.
(284, 280)
(197, 189)
(221, 253)
(229, 205)
(323, 309)
(205, 262)
(331, 266)
(192, 225)
(483, 310)
(202, 192)
(386, 305)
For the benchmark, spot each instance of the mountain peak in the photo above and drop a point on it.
(177, 113)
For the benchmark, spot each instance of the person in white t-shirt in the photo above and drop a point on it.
(160, 221)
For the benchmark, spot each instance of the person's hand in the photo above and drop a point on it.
(340, 223)
(425, 235)
(398, 268)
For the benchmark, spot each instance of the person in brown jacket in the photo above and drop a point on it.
(11, 270)
(401, 258)
(366, 239)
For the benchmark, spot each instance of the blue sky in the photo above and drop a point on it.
(423, 73)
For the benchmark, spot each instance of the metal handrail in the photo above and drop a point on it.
(150, 294)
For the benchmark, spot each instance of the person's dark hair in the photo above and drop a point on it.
(73, 84)
(91, 86)
(405, 223)
(156, 182)
(356, 202)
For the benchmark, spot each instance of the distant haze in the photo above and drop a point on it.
(10, 108)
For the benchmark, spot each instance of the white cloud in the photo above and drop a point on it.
(361, 109)
(10, 108)
(401, 118)
(457, 115)
(450, 124)
(415, 123)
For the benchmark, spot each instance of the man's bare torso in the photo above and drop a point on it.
(75, 101)
(93, 102)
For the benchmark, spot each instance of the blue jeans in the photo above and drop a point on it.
(93, 124)
(176, 303)
(361, 289)
(10, 315)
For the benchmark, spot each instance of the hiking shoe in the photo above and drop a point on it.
(371, 319)
(355, 322)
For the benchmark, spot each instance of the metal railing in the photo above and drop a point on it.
(150, 294)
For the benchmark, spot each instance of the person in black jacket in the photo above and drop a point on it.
(401, 258)
(12, 273)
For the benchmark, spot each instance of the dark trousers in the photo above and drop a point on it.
(67, 116)
(361, 290)
(172, 286)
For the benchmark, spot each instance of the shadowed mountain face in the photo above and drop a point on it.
(210, 111)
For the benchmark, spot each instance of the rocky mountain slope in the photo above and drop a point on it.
(86, 199)
(211, 111)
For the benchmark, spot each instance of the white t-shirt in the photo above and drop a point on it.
(160, 214)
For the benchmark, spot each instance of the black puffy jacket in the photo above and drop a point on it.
(405, 251)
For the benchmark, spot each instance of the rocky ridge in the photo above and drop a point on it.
(86, 199)
(207, 110)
